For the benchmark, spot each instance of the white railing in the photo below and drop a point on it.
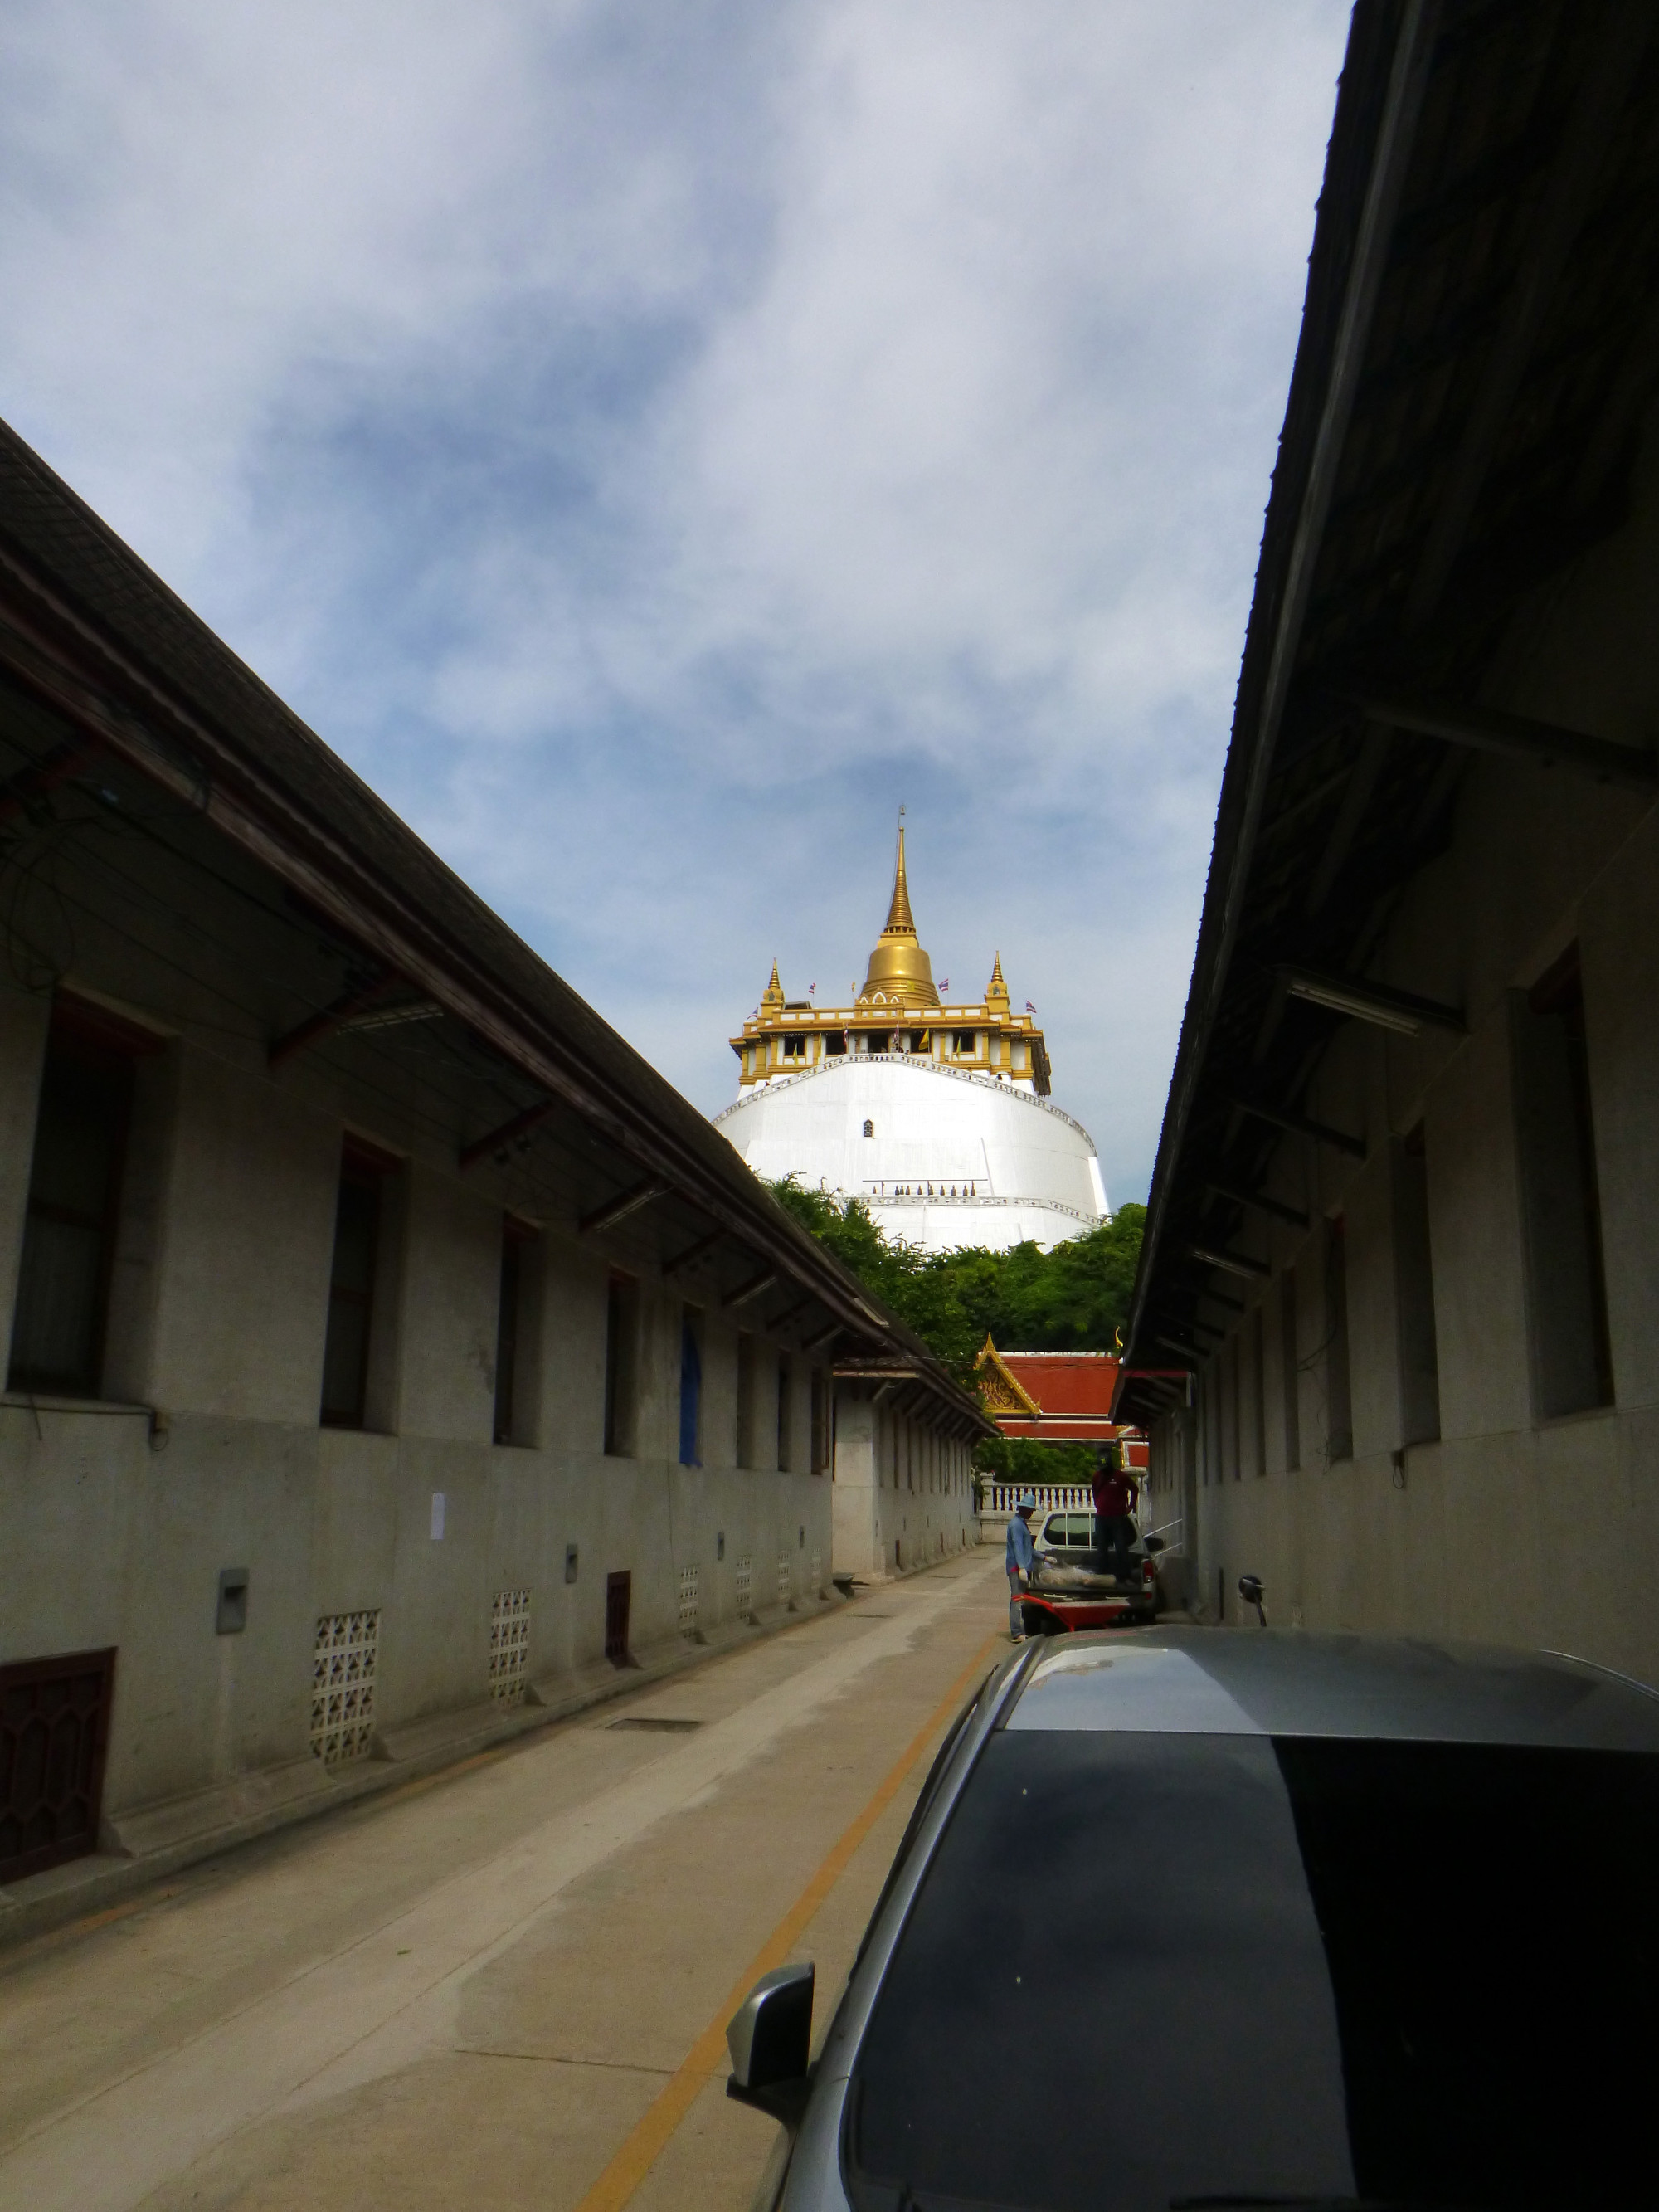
(1051, 1496)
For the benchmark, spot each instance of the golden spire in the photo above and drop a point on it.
(900, 919)
(900, 974)
(772, 996)
(996, 993)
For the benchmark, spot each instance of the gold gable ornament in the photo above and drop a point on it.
(999, 1387)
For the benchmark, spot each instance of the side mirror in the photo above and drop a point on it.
(770, 2040)
(1250, 1589)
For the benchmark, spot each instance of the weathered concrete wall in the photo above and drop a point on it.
(205, 1452)
(904, 1491)
(1512, 1526)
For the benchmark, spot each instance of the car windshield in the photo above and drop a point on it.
(1145, 1969)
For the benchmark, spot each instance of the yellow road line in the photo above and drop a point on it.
(650, 2135)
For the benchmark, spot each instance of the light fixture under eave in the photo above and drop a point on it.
(1399, 1010)
(1235, 1263)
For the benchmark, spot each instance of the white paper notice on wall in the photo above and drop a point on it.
(437, 1516)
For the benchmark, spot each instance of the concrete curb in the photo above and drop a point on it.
(92, 1887)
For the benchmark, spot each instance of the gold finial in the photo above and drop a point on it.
(900, 974)
(772, 996)
(996, 994)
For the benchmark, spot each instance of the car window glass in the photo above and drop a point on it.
(1328, 1978)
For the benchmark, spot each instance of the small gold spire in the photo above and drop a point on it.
(772, 996)
(996, 994)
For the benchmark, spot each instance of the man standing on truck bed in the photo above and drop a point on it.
(1115, 1493)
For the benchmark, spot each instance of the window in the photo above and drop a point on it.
(962, 1044)
(869, 1128)
(1414, 1275)
(1339, 1399)
(876, 1041)
(820, 1421)
(745, 1422)
(1289, 1371)
(1572, 1360)
(621, 1333)
(75, 1191)
(794, 1047)
(690, 1389)
(785, 1418)
(510, 1331)
(835, 1041)
(1254, 1327)
(352, 1283)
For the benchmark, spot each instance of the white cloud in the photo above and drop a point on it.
(651, 443)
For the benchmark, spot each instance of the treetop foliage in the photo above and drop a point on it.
(1074, 1299)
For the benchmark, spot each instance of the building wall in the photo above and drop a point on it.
(903, 1490)
(206, 1452)
(1514, 1524)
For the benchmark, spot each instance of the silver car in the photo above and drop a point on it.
(1201, 1918)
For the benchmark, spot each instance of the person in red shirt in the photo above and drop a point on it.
(1115, 1494)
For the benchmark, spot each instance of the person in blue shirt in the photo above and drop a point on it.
(1020, 1553)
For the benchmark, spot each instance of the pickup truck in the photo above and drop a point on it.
(1067, 1591)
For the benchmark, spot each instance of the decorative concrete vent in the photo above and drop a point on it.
(343, 1685)
(746, 1588)
(689, 1580)
(509, 1645)
(783, 1578)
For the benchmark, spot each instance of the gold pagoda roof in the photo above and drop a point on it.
(900, 973)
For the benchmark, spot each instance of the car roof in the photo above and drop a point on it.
(1219, 1681)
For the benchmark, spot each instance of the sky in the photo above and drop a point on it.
(653, 444)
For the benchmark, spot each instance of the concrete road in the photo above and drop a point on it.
(504, 1986)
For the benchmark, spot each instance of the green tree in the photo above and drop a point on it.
(1075, 1299)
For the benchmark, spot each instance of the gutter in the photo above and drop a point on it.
(1408, 80)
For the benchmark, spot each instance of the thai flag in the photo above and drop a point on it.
(1030, 1008)
(945, 985)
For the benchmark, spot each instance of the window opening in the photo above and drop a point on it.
(1573, 1360)
(690, 1394)
(621, 1332)
(869, 1128)
(746, 1439)
(1420, 1358)
(351, 1289)
(508, 1316)
(1289, 1371)
(69, 1235)
(820, 1421)
(1338, 1398)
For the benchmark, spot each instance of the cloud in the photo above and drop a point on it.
(652, 443)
